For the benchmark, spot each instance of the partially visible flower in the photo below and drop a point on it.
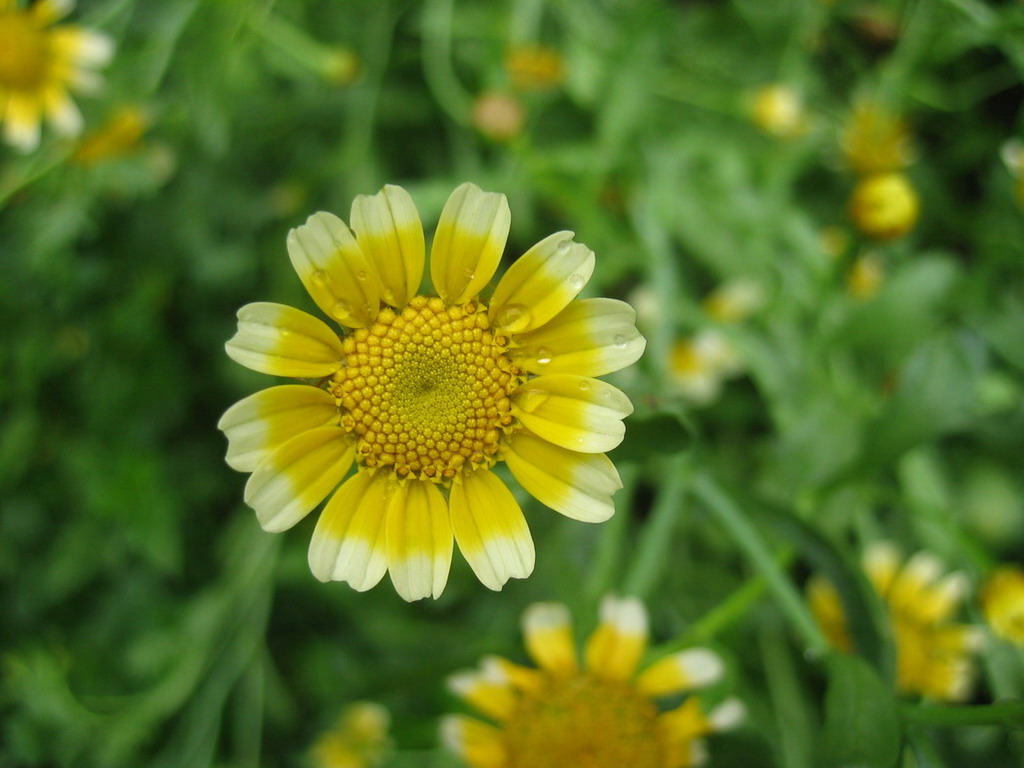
(884, 206)
(498, 116)
(778, 110)
(876, 141)
(423, 395)
(118, 136)
(534, 67)
(734, 300)
(359, 738)
(598, 715)
(865, 276)
(933, 654)
(701, 363)
(834, 241)
(39, 63)
(1002, 600)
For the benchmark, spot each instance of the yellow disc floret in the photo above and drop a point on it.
(24, 52)
(585, 722)
(427, 390)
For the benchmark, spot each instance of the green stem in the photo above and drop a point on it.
(437, 62)
(753, 546)
(1009, 714)
(656, 537)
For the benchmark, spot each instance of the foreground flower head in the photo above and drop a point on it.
(1002, 600)
(424, 395)
(598, 715)
(933, 654)
(39, 63)
(359, 739)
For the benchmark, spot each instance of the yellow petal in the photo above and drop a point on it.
(590, 337)
(284, 341)
(489, 697)
(541, 283)
(297, 476)
(468, 243)
(21, 121)
(419, 540)
(81, 47)
(258, 424)
(349, 539)
(682, 671)
(910, 584)
(575, 412)
(547, 632)
(45, 12)
(524, 679)
(478, 745)
(337, 274)
(62, 112)
(389, 231)
(578, 485)
(490, 528)
(614, 650)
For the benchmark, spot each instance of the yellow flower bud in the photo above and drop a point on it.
(884, 206)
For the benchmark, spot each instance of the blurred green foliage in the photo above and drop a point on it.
(146, 618)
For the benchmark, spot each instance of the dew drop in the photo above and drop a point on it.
(512, 313)
(577, 281)
(469, 272)
(563, 248)
(620, 341)
(584, 386)
(341, 309)
(531, 399)
(362, 274)
(319, 277)
(389, 297)
(543, 355)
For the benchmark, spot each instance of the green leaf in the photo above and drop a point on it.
(861, 727)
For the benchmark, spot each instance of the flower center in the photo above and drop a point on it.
(585, 723)
(24, 51)
(427, 390)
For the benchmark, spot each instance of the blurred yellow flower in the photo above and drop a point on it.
(734, 300)
(534, 67)
(778, 110)
(339, 65)
(117, 137)
(933, 655)
(884, 206)
(39, 63)
(424, 395)
(865, 276)
(600, 714)
(700, 364)
(498, 116)
(359, 739)
(876, 141)
(1002, 600)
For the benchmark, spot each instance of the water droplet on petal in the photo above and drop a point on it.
(543, 355)
(584, 386)
(531, 399)
(389, 297)
(469, 272)
(512, 313)
(577, 281)
(620, 341)
(563, 248)
(319, 277)
(362, 274)
(341, 309)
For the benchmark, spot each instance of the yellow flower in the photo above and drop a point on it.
(884, 206)
(359, 739)
(598, 715)
(701, 363)
(39, 64)
(933, 655)
(876, 141)
(115, 138)
(1002, 600)
(534, 67)
(865, 277)
(778, 110)
(734, 300)
(424, 395)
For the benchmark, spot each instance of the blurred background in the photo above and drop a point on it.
(817, 209)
